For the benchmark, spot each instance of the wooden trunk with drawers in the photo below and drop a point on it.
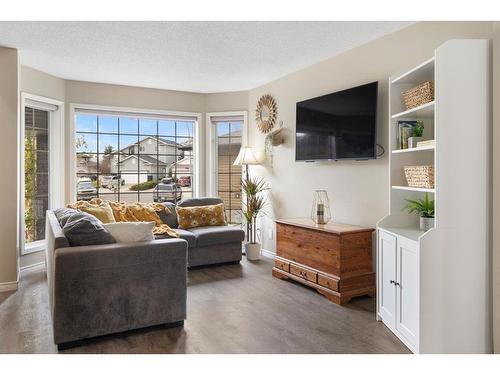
(335, 259)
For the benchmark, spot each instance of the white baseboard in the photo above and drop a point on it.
(9, 286)
(267, 253)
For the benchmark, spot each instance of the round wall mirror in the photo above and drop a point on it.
(266, 113)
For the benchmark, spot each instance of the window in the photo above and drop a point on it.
(36, 173)
(228, 144)
(41, 179)
(132, 158)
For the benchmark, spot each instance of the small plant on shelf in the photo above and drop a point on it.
(418, 130)
(425, 208)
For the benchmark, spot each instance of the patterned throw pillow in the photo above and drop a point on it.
(200, 216)
(101, 210)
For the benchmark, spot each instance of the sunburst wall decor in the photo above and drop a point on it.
(266, 113)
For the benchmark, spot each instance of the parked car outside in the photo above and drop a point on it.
(111, 182)
(85, 189)
(167, 193)
(114, 182)
(184, 181)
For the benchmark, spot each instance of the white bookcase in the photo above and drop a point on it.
(434, 287)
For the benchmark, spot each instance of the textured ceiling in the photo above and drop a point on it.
(188, 56)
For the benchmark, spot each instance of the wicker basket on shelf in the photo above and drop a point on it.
(423, 93)
(420, 176)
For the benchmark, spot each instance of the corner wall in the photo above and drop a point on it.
(9, 121)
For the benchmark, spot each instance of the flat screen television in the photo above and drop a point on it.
(341, 125)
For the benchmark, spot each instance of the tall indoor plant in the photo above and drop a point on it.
(425, 208)
(253, 205)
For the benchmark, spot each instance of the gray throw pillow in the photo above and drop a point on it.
(63, 214)
(81, 228)
(171, 218)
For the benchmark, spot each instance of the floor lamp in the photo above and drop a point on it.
(246, 157)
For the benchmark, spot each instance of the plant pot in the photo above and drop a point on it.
(412, 141)
(426, 223)
(253, 251)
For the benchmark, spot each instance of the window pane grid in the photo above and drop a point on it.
(228, 175)
(36, 173)
(124, 164)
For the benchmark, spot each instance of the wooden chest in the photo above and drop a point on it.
(335, 259)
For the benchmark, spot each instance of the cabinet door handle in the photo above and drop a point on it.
(392, 282)
(396, 283)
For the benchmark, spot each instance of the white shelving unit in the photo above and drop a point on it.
(415, 149)
(432, 287)
(411, 188)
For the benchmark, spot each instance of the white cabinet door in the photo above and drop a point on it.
(386, 278)
(407, 289)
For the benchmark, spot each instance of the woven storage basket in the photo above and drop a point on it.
(423, 93)
(420, 176)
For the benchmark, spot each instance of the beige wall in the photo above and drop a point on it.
(227, 101)
(496, 187)
(35, 82)
(357, 189)
(9, 119)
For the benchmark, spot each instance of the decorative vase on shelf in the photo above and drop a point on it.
(426, 223)
(412, 141)
(320, 211)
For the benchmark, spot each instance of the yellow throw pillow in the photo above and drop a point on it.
(200, 216)
(101, 210)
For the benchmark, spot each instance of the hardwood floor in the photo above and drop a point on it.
(231, 309)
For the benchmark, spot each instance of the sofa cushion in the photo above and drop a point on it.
(183, 234)
(206, 236)
(191, 202)
(201, 216)
(100, 209)
(82, 229)
(63, 214)
(126, 232)
(169, 218)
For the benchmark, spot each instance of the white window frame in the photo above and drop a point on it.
(212, 144)
(56, 161)
(74, 107)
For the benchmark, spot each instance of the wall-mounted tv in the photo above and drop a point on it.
(341, 125)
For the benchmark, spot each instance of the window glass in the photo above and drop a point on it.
(36, 172)
(124, 158)
(229, 175)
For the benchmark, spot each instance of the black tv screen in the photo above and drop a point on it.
(341, 125)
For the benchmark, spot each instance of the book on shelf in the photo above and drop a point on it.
(429, 143)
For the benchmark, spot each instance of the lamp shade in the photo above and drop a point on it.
(246, 156)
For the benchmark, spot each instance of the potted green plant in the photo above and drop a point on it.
(253, 205)
(417, 134)
(425, 208)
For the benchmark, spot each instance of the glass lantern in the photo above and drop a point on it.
(320, 211)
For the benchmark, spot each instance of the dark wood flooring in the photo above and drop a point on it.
(231, 309)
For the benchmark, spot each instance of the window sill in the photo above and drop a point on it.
(34, 247)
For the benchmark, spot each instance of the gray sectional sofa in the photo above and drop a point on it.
(101, 289)
(207, 245)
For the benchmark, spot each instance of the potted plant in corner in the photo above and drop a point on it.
(252, 207)
(425, 208)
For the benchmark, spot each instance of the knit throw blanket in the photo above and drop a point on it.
(135, 212)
